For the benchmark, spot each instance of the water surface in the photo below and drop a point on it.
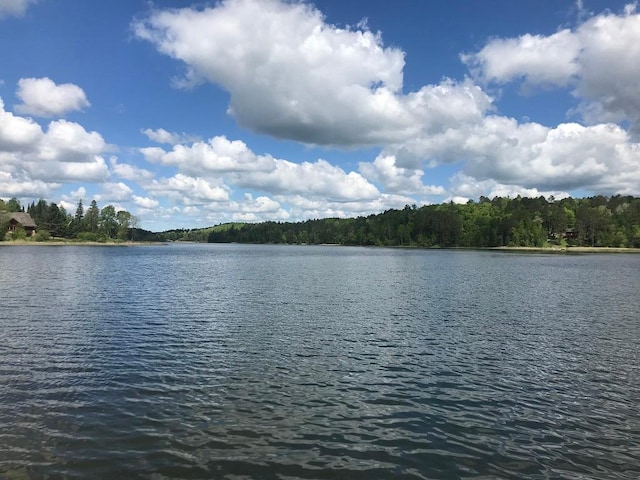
(238, 361)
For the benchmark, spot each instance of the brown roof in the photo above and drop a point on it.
(23, 219)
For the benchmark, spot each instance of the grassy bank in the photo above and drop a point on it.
(559, 249)
(68, 242)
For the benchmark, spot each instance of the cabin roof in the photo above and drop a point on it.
(23, 219)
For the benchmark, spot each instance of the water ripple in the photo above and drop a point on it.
(256, 362)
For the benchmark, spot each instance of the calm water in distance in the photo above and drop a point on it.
(285, 362)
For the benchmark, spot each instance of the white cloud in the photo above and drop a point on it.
(610, 67)
(250, 209)
(15, 8)
(63, 141)
(188, 190)
(464, 188)
(64, 153)
(396, 179)
(114, 192)
(599, 59)
(11, 186)
(217, 156)
(145, 202)
(17, 134)
(95, 170)
(129, 172)
(312, 179)
(76, 195)
(303, 208)
(163, 136)
(261, 204)
(69, 207)
(242, 167)
(69, 142)
(291, 75)
(600, 158)
(537, 59)
(43, 98)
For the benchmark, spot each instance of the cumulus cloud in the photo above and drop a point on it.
(114, 192)
(247, 209)
(15, 8)
(252, 209)
(95, 170)
(129, 172)
(17, 134)
(188, 190)
(43, 98)
(16, 186)
(465, 187)
(536, 59)
(64, 152)
(233, 160)
(313, 179)
(385, 171)
(303, 207)
(218, 155)
(292, 75)
(598, 58)
(69, 142)
(145, 202)
(161, 135)
(600, 158)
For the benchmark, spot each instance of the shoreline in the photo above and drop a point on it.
(550, 249)
(558, 249)
(63, 243)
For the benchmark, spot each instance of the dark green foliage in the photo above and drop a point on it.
(532, 222)
(50, 217)
(77, 225)
(4, 224)
(527, 222)
(43, 236)
(108, 221)
(19, 234)
(96, 226)
(13, 205)
(92, 218)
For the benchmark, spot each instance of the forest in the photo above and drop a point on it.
(93, 224)
(597, 221)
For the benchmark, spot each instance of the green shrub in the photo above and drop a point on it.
(43, 236)
(91, 237)
(19, 234)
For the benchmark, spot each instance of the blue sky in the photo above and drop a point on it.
(194, 114)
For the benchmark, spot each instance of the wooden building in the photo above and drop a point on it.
(24, 220)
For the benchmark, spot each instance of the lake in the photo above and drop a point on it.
(286, 362)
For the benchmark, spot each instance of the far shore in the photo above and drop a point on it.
(49, 243)
(559, 249)
(547, 249)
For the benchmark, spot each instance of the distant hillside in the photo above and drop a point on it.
(527, 222)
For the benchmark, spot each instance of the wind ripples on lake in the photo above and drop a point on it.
(231, 361)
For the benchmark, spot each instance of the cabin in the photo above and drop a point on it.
(24, 220)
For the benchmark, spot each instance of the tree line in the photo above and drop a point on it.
(597, 221)
(92, 224)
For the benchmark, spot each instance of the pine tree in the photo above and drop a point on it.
(92, 217)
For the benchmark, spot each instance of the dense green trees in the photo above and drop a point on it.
(54, 221)
(532, 222)
(521, 221)
(4, 219)
(92, 217)
(108, 221)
